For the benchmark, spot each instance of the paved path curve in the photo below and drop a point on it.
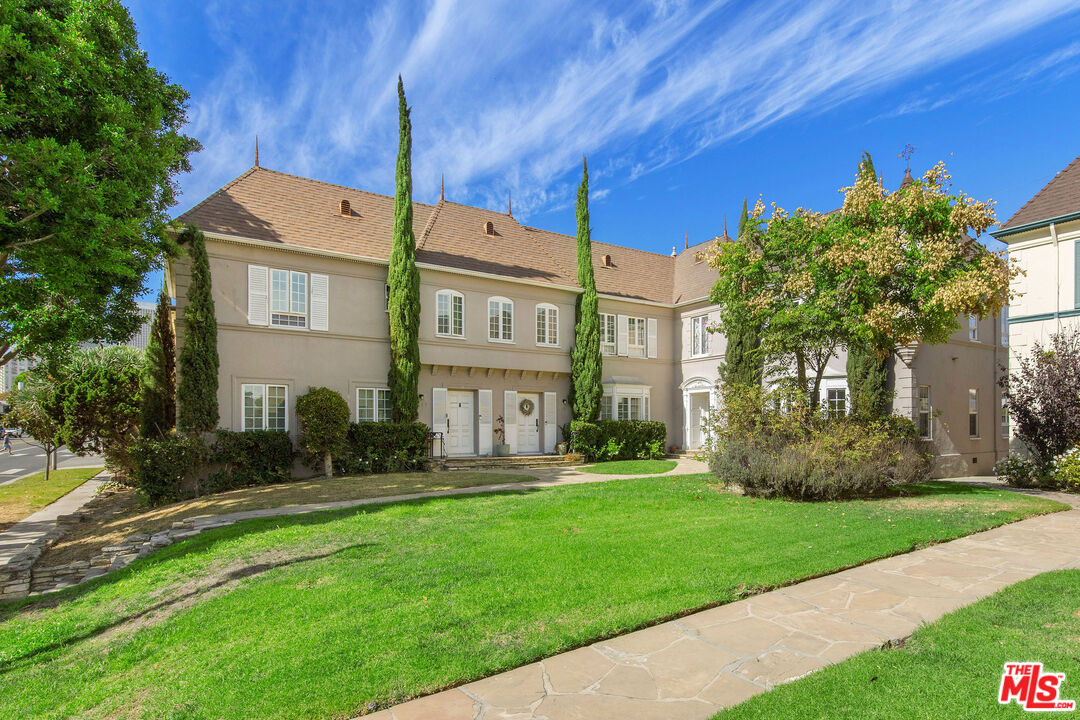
(692, 667)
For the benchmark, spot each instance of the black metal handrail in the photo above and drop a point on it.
(432, 437)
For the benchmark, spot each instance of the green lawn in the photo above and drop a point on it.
(25, 497)
(630, 467)
(948, 669)
(315, 616)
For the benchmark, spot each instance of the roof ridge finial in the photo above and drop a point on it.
(907, 152)
(725, 226)
(686, 240)
(442, 188)
(256, 151)
(509, 204)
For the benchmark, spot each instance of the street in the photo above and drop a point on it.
(28, 457)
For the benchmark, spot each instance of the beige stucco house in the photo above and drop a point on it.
(299, 280)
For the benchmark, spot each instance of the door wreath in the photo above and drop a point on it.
(526, 407)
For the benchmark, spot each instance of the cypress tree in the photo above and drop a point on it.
(159, 374)
(404, 280)
(197, 391)
(586, 365)
(867, 369)
(868, 380)
(743, 362)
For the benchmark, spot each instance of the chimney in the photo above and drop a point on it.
(346, 208)
(673, 253)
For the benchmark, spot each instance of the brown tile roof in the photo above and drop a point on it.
(268, 205)
(1061, 196)
(694, 278)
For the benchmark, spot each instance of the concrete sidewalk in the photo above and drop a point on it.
(697, 665)
(31, 529)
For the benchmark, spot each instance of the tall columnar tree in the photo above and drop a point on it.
(744, 363)
(586, 364)
(404, 281)
(90, 141)
(159, 374)
(197, 391)
(868, 368)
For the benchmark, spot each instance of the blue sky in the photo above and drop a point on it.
(683, 108)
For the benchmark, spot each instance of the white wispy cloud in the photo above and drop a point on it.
(509, 96)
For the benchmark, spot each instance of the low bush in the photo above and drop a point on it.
(1066, 471)
(381, 447)
(617, 439)
(324, 423)
(165, 470)
(838, 460)
(243, 459)
(1020, 471)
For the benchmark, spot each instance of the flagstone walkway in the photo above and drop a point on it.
(692, 667)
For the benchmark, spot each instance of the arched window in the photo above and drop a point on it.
(450, 313)
(500, 319)
(547, 325)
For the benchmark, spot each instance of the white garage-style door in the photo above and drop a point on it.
(460, 416)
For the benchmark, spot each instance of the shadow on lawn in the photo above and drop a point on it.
(226, 578)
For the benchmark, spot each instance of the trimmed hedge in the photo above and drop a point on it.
(381, 447)
(165, 468)
(258, 457)
(618, 439)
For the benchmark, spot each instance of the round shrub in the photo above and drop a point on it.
(165, 469)
(1066, 472)
(1018, 471)
(324, 425)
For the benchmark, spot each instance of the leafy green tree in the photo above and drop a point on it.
(159, 374)
(89, 144)
(586, 364)
(744, 363)
(324, 425)
(196, 394)
(100, 409)
(36, 408)
(404, 281)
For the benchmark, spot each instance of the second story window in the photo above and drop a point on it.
(450, 313)
(288, 298)
(500, 320)
(607, 334)
(1004, 327)
(973, 328)
(635, 336)
(547, 325)
(699, 336)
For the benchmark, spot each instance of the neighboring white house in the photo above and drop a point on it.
(1044, 238)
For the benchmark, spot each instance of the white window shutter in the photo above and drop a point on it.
(622, 335)
(651, 322)
(510, 419)
(320, 302)
(438, 416)
(550, 422)
(484, 420)
(258, 295)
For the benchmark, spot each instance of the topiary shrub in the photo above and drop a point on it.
(165, 469)
(257, 457)
(324, 423)
(618, 439)
(381, 447)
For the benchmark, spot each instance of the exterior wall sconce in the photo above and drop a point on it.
(421, 397)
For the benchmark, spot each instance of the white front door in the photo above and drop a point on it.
(459, 422)
(528, 424)
(699, 418)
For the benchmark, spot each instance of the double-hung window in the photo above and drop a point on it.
(636, 337)
(926, 413)
(973, 328)
(699, 336)
(450, 313)
(372, 405)
(288, 298)
(1004, 327)
(547, 325)
(607, 334)
(500, 320)
(264, 407)
(605, 407)
(1004, 419)
(973, 413)
(837, 400)
(625, 405)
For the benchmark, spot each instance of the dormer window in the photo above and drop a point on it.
(607, 260)
(489, 228)
(346, 208)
